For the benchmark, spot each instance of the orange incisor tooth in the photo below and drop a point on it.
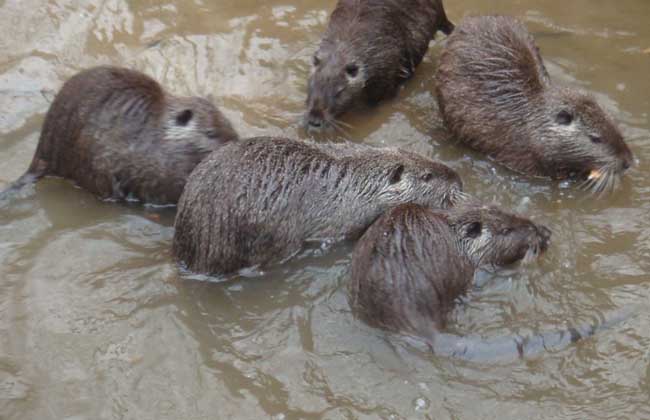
(595, 174)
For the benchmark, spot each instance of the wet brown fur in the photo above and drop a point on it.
(496, 97)
(116, 133)
(384, 39)
(413, 263)
(260, 200)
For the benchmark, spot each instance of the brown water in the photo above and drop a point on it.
(97, 323)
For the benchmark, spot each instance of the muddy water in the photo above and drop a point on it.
(97, 323)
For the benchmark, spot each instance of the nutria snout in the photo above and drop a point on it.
(491, 236)
(369, 49)
(495, 96)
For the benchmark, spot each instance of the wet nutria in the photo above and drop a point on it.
(118, 134)
(413, 263)
(495, 96)
(292, 192)
(369, 48)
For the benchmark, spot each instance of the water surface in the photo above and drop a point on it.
(97, 323)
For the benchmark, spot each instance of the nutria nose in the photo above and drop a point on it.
(315, 118)
(545, 233)
(627, 160)
(626, 165)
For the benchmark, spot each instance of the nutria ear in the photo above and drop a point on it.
(396, 174)
(474, 230)
(352, 70)
(595, 139)
(184, 117)
(564, 118)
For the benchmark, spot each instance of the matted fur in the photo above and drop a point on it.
(496, 97)
(118, 134)
(258, 201)
(384, 39)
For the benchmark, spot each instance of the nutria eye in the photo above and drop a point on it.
(564, 118)
(474, 230)
(427, 177)
(316, 61)
(595, 139)
(396, 175)
(184, 117)
(352, 70)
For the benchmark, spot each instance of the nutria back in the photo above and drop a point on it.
(413, 263)
(496, 97)
(369, 48)
(260, 200)
(118, 134)
(406, 284)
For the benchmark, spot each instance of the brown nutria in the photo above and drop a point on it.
(495, 96)
(118, 134)
(369, 48)
(293, 192)
(411, 265)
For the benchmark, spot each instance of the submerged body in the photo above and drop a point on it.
(370, 47)
(116, 133)
(496, 97)
(260, 200)
(413, 263)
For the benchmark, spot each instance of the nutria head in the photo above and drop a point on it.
(496, 96)
(412, 264)
(420, 180)
(198, 121)
(490, 236)
(188, 130)
(336, 82)
(582, 141)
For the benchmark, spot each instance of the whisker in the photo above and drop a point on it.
(587, 184)
(598, 186)
(293, 114)
(344, 124)
(605, 181)
(459, 197)
(336, 125)
(611, 181)
(552, 228)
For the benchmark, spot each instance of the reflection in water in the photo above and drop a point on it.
(97, 323)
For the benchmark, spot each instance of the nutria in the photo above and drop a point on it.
(118, 134)
(496, 97)
(261, 200)
(369, 49)
(411, 265)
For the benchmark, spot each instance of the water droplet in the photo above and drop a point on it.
(237, 287)
(421, 404)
